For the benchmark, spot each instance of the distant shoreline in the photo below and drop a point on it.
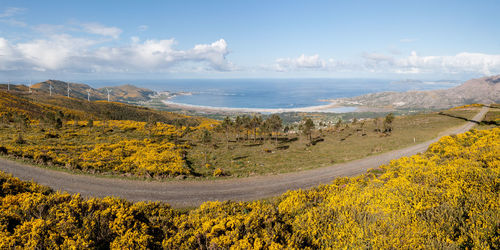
(327, 108)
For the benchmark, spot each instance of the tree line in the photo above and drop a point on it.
(256, 128)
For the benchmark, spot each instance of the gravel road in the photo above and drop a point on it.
(193, 193)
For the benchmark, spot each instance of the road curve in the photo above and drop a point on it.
(193, 193)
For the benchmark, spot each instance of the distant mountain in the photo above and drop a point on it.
(129, 93)
(123, 93)
(411, 82)
(39, 105)
(482, 90)
(77, 90)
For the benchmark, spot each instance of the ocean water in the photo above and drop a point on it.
(271, 93)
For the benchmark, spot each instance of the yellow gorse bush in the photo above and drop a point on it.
(447, 197)
(474, 105)
(134, 156)
(126, 151)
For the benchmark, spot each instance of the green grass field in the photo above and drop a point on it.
(492, 118)
(249, 158)
(63, 147)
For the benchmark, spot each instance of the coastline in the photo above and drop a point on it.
(332, 107)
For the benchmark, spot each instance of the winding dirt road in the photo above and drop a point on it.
(193, 193)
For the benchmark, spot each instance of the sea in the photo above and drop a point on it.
(272, 93)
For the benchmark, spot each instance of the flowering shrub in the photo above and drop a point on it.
(218, 172)
(139, 157)
(447, 197)
(119, 146)
(474, 105)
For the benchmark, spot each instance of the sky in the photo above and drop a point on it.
(91, 39)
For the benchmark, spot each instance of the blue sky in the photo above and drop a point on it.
(249, 39)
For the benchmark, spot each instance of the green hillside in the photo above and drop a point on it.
(36, 104)
(446, 198)
(100, 137)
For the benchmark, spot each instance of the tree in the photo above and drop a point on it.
(254, 124)
(275, 124)
(238, 127)
(58, 123)
(388, 123)
(226, 126)
(22, 121)
(286, 129)
(338, 124)
(377, 123)
(90, 123)
(307, 127)
(362, 126)
(19, 139)
(265, 128)
(247, 125)
(205, 138)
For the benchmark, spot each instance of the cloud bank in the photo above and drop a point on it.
(91, 47)
(74, 54)
(98, 29)
(302, 62)
(461, 63)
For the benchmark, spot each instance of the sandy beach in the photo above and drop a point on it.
(327, 108)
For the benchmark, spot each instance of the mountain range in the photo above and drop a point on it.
(123, 93)
(483, 90)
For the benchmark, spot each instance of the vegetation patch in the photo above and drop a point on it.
(447, 197)
(78, 135)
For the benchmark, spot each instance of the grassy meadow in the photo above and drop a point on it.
(78, 136)
(349, 142)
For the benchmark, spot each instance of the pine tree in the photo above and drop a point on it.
(307, 128)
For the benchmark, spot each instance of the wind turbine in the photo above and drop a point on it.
(30, 87)
(88, 95)
(8, 85)
(50, 89)
(68, 89)
(108, 90)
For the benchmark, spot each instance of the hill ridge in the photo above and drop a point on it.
(121, 93)
(194, 193)
(484, 90)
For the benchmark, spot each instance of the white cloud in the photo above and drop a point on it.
(407, 40)
(48, 28)
(158, 55)
(11, 11)
(8, 13)
(98, 29)
(73, 54)
(302, 62)
(135, 39)
(53, 53)
(465, 62)
(311, 63)
(461, 63)
(378, 58)
(13, 22)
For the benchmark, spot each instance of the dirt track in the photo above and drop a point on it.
(193, 193)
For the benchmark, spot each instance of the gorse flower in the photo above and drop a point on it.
(447, 197)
